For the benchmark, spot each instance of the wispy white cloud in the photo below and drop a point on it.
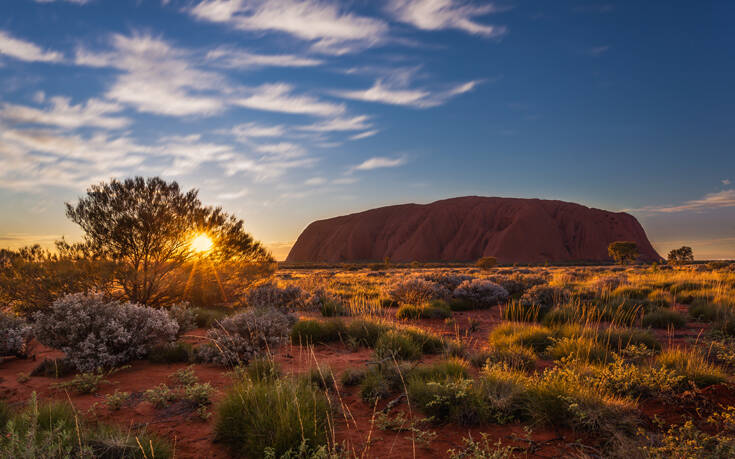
(61, 113)
(239, 59)
(247, 131)
(379, 162)
(321, 22)
(390, 93)
(157, 77)
(445, 14)
(719, 200)
(356, 123)
(281, 150)
(25, 50)
(315, 181)
(278, 97)
(364, 135)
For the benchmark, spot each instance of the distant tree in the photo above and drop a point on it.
(623, 252)
(145, 227)
(31, 278)
(486, 262)
(681, 255)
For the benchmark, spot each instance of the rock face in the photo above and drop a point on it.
(467, 228)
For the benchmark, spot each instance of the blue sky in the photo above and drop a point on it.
(288, 111)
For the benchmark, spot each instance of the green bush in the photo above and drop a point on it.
(257, 415)
(311, 331)
(449, 400)
(437, 309)
(579, 347)
(513, 355)
(617, 338)
(397, 345)
(705, 311)
(352, 377)
(691, 365)
(535, 337)
(664, 318)
(263, 369)
(366, 332)
(333, 308)
(54, 430)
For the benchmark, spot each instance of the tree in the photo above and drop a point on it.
(681, 255)
(145, 227)
(486, 262)
(623, 252)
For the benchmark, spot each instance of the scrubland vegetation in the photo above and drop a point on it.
(244, 359)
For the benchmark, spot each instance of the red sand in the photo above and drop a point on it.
(467, 228)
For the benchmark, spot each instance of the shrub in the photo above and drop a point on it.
(482, 449)
(486, 262)
(514, 356)
(271, 296)
(534, 336)
(544, 297)
(707, 312)
(352, 377)
(449, 400)
(94, 332)
(160, 396)
(176, 352)
(183, 315)
(630, 380)
(198, 393)
(664, 318)
(437, 309)
(366, 332)
(659, 298)
(14, 335)
(617, 338)
(427, 341)
(691, 365)
(85, 383)
(415, 290)
(116, 400)
(481, 293)
(632, 292)
(449, 281)
(333, 308)
(257, 415)
(579, 347)
(397, 345)
(242, 337)
(563, 397)
(312, 331)
(263, 369)
(54, 430)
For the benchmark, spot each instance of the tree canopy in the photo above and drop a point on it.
(683, 254)
(145, 226)
(623, 252)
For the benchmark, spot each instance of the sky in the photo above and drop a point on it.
(285, 111)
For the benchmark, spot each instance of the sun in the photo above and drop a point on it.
(201, 243)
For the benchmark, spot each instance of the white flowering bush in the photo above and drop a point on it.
(238, 339)
(184, 316)
(320, 298)
(271, 295)
(482, 293)
(415, 290)
(450, 281)
(95, 332)
(544, 297)
(14, 335)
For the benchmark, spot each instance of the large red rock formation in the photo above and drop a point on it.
(467, 228)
